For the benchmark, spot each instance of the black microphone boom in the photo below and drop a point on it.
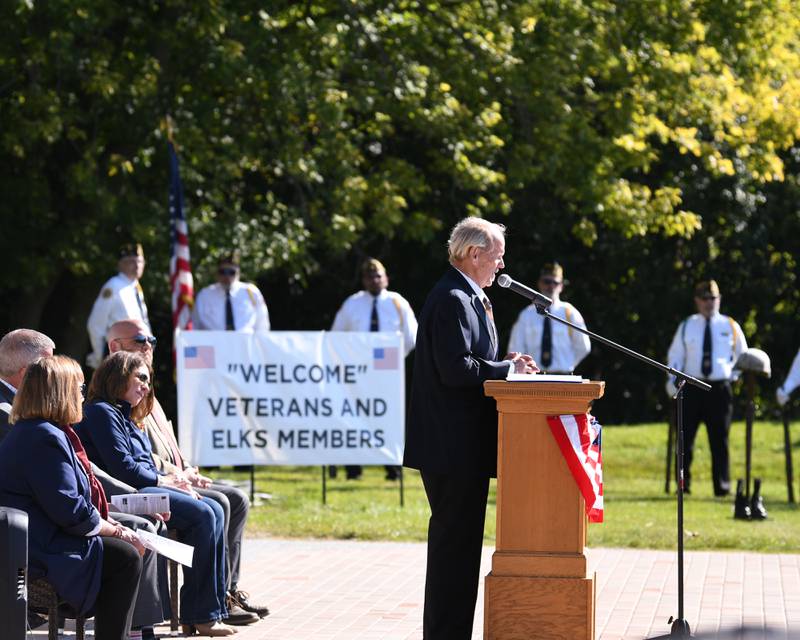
(507, 282)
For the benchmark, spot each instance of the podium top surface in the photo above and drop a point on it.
(545, 391)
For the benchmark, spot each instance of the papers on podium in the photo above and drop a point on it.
(172, 549)
(140, 504)
(543, 377)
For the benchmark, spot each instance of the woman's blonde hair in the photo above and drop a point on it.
(110, 381)
(50, 390)
(472, 232)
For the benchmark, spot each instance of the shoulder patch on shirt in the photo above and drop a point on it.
(107, 293)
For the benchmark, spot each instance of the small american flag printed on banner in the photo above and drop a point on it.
(578, 437)
(198, 357)
(385, 358)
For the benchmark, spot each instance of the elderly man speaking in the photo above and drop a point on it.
(451, 435)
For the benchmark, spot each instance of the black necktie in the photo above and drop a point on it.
(373, 319)
(706, 368)
(229, 326)
(547, 343)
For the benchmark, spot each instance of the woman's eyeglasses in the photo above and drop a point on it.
(83, 390)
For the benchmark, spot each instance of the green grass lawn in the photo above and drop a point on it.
(637, 511)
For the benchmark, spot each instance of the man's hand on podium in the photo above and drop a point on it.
(523, 363)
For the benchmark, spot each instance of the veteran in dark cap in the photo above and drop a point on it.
(230, 304)
(707, 345)
(120, 298)
(555, 347)
(375, 308)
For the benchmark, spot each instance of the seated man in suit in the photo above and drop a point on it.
(18, 349)
(134, 336)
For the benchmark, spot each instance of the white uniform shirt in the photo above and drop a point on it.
(394, 314)
(117, 301)
(727, 344)
(569, 346)
(249, 309)
(793, 379)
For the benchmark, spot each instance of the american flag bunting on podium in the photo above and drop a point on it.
(578, 437)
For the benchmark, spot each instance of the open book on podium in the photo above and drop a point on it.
(543, 377)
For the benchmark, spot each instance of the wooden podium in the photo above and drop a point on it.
(538, 586)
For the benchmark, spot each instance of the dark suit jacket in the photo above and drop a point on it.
(6, 397)
(452, 425)
(40, 474)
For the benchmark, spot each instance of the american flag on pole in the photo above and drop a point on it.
(180, 268)
(578, 437)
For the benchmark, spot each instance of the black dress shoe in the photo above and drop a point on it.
(242, 599)
(757, 510)
(392, 472)
(237, 616)
(354, 471)
(741, 510)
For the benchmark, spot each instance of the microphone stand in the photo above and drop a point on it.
(680, 627)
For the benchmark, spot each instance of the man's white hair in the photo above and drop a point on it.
(21, 348)
(472, 232)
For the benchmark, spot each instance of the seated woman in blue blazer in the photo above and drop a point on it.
(93, 565)
(121, 393)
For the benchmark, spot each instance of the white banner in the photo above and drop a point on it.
(291, 397)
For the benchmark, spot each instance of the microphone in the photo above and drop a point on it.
(507, 282)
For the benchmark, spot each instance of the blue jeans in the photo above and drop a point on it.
(201, 524)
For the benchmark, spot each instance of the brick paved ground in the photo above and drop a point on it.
(339, 590)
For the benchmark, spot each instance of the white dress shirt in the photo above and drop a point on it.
(793, 379)
(249, 309)
(569, 346)
(727, 344)
(394, 314)
(117, 301)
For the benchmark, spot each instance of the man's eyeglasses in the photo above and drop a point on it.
(140, 339)
(551, 282)
(708, 297)
(227, 271)
(142, 377)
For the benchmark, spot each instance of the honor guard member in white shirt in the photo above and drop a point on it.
(555, 347)
(229, 304)
(791, 383)
(707, 345)
(120, 298)
(376, 309)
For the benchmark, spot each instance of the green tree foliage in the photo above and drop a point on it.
(644, 144)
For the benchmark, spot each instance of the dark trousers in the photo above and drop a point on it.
(715, 408)
(119, 584)
(235, 505)
(148, 610)
(455, 542)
